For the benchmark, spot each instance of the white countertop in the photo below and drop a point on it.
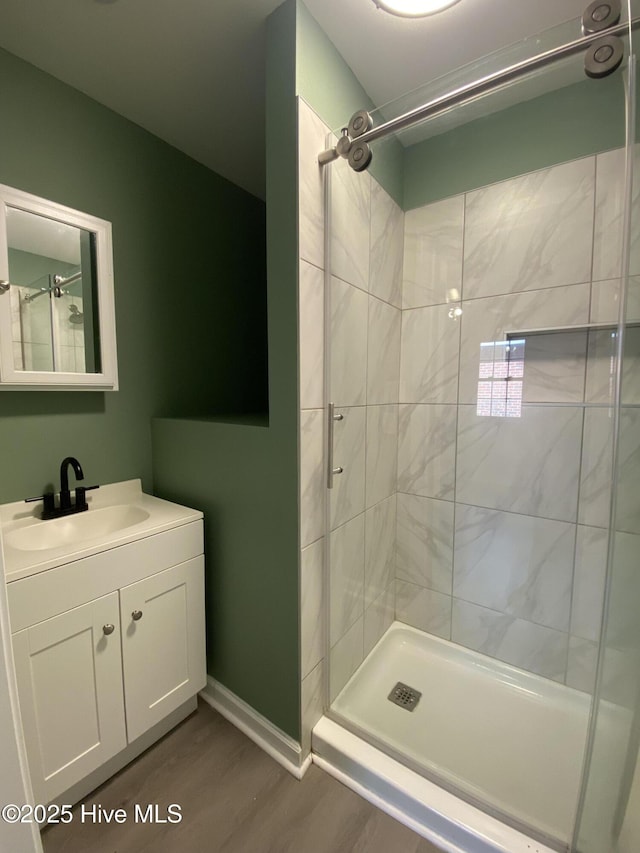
(158, 515)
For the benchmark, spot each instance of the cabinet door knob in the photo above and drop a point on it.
(108, 629)
(136, 615)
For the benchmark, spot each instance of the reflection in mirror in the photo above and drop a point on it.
(54, 306)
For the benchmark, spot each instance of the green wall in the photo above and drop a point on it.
(243, 478)
(243, 473)
(572, 122)
(330, 87)
(29, 270)
(190, 297)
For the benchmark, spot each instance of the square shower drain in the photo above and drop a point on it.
(404, 696)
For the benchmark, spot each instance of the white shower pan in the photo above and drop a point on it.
(503, 738)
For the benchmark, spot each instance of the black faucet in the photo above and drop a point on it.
(66, 506)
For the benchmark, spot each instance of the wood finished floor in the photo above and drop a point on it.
(235, 799)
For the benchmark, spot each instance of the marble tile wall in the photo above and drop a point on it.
(31, 331)
(502, 521)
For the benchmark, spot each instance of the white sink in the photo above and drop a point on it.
(75, 528)
(118, 513)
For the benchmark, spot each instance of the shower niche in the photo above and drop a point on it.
(57, 326)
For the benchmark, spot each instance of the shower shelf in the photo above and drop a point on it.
(557, 330)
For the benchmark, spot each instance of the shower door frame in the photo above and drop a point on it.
(631, 87)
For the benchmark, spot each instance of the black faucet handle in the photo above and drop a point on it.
(48, 504)
(81, 500)
(47, 497)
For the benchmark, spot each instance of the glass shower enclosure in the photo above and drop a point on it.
(482, 347)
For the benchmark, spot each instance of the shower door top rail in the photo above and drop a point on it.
(481, 87)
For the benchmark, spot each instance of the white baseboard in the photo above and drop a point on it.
(282, 748)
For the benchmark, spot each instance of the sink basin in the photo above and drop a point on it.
(76, 528)
(119, 513)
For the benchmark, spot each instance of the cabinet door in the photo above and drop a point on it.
(69, 676)
(163, 643)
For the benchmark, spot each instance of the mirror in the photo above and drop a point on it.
(57, 327)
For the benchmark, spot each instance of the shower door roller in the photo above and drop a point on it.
(600, 15)
(360, 123)
(603, 57)
(360, 156)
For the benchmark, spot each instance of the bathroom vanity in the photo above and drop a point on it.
(107, 622)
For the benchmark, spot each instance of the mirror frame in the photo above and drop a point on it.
(107, 379)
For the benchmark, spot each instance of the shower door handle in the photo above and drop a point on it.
(331, 471)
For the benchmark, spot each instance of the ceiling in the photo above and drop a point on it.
(192, 71)
(42, 236)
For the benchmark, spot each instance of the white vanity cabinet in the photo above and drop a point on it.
(69, 677)
(109, 652)
(163, 645)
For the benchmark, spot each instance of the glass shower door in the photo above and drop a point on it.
(472, 359)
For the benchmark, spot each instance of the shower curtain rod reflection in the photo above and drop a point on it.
(59, 281)
(479, 87)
